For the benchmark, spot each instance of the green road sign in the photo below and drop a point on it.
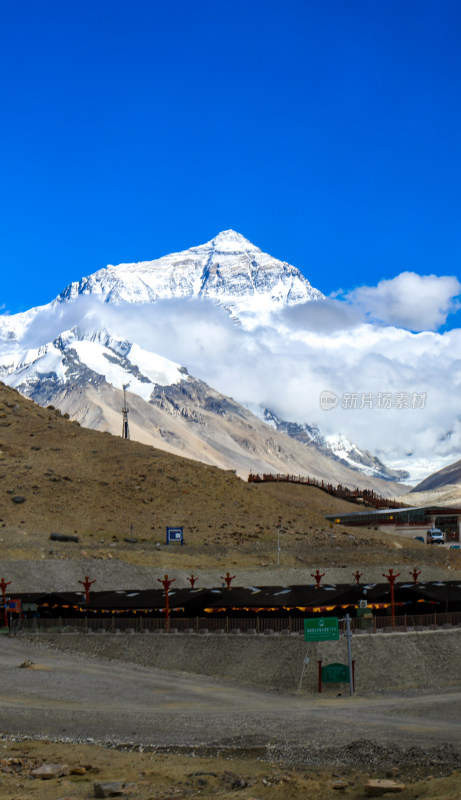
(320, 630)
(335, 673)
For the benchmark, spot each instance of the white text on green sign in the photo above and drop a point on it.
(321, 630)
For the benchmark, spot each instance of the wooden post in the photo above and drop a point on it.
(166, 583)
(3, 585)
(391, 578)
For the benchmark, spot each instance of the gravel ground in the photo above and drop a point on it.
(383, 662)
(80, 698)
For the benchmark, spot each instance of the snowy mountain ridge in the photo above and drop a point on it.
(338, 447)
(71, 357)
(168, 408)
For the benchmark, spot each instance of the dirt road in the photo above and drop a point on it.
(71, 697)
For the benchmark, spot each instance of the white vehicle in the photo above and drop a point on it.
(435, 536)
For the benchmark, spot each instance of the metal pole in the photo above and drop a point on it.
(305, 663)
(167, 609)
(349, 653)
(393, 604)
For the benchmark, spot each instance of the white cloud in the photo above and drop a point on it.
(307, 349)
(326, 315)
(411, 301)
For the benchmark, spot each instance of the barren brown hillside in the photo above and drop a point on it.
(58, 477)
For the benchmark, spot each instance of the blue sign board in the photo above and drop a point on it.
(175, 535)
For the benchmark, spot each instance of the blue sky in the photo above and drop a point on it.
(328, 133)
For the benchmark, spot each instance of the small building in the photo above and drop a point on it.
(407, 522)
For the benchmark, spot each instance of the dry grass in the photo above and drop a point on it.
(95, 485)
(155, 776)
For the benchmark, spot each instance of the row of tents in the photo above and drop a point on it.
(414, 598)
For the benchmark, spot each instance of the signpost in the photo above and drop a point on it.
(321, 630)
(335, 673)
(324, 629)
(175, 535)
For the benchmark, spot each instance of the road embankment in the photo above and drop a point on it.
(383, 662)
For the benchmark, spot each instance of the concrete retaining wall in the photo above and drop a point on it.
(390, 661)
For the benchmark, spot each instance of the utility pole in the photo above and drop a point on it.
(349, 654)
(279, 531)
(125, 429)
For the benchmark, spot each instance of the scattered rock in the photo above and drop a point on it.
(239, 783)
(11, 762)
(48, 771)
(62, 537)
(200, 774)
(18, 498)
(109, 789)
(391, 773)
(78, 771)
(27, 664)
(379, 786)
(339, 785)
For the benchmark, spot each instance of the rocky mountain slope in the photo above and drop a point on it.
(442, 487)
(118, 496)
(168, 409)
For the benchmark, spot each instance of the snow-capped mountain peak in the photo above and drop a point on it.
(231, 241)
(228, 270)
(74, 347)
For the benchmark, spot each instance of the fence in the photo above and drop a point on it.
(236, 625)
(364, 496)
